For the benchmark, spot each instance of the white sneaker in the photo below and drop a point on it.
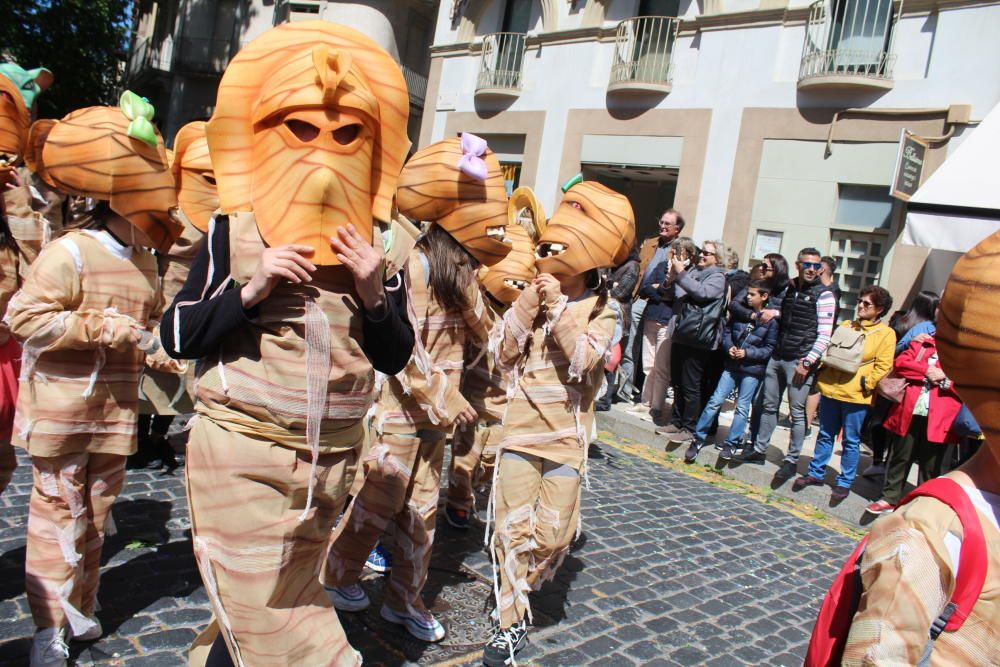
(93, 634)
(422, 626)
(348, 598)
(48, 648)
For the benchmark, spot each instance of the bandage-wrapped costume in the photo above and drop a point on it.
(75, 316)
(553, 356)
(309, 134)
(473, 449)
(417, 407)
(166, 382)
(908, 571)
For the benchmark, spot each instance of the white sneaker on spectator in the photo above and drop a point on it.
(49, 649)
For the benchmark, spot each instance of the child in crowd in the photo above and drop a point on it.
(748, 347)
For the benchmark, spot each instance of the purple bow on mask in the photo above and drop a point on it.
(471, 163)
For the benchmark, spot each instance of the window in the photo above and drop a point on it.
(863, 206)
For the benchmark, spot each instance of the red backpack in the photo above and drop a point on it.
(829, 637)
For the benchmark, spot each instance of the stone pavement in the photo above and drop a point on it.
(669, 570)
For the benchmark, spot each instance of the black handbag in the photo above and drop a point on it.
(698, 324)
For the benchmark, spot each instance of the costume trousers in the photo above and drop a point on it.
(537, 513)
(473, 455)
(67, 515)
(402, 487)
(8, 464)
(260, 552)
(655, 363)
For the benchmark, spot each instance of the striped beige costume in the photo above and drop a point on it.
(35, 214)
(270, 461)
(554, 358)
(10, 281)
(402, 470)
(76, 411)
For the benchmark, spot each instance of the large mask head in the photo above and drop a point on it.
(309, 133)
(457, 183)
(111, 154)
(593, 228)
(506, 279)
(14, 124)
(966, 333)
(30, 82)
(197, 195)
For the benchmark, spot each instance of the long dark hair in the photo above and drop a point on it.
(7, 239)
(597, 283)
(451, 268)
(923, 309)
(779, 277)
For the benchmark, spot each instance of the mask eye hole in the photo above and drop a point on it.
(346, 134)
(5, 95)
(302, 130)
(209, 178)
(576, 205)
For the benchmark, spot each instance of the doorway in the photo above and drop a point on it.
(650, 190)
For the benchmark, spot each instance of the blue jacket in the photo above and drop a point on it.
(659, 301)
(758, 342)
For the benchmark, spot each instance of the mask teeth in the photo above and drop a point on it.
(549, 250)
(499, 233)
(7, 159)
(516, 284)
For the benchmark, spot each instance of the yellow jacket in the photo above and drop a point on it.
(880, 348)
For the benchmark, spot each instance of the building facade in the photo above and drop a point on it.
(772, 124)
(180, 48)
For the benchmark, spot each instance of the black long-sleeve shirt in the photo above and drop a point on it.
(388, 339)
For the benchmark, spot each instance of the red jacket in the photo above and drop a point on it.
(944, 404)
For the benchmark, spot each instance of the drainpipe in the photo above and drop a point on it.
(956, 114)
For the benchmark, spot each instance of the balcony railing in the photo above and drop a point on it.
(146, 56)
(500, 70)
(849, 43)
(416, 83)
(643, 54)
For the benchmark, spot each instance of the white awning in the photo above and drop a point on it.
(959, 204)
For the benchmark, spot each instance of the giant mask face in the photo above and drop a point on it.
(112, 154)
(966, 333)
(458, 184)
(14, 124)
(30, 82)
(506, 279)
(197, 195)
(592, 228)
(309, 133)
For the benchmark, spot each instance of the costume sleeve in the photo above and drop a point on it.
(585, 347)
(885, 353)
(712, 287)
(478, 315)
(201, 315)
(42, 314)
(516, 326)
(826, 311)
(388, 338)
(903, 582)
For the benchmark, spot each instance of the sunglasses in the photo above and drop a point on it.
(815, 266)
(664, 223)
(706, 253)
(865, 303)
(767, 268)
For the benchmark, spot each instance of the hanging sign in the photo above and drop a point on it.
(909, 166)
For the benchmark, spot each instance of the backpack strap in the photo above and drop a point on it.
(971, 561)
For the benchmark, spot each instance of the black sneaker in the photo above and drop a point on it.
(727, 452)
(787, 470)
(692, 451)
(751, 455)
(505, 644)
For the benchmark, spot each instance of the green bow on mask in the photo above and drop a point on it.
(138, 110)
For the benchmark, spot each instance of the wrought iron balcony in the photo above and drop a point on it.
(147, 57)
(849, 43)
(416, 84)
(643, 54)
(500, 69)
(203, 56)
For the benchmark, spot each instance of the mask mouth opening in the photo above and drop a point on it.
(498, 233)
(549, 250)
(515, 283)
(7, 159)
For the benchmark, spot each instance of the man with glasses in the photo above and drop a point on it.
(653, 252)
(807, 315)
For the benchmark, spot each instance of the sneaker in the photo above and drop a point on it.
(505, 644)
(880, 507)
(423, 626)
(787, 470)
(874, 470)
(93, 634)
(804, 481)
(839, 493)
(49, 649)
(692, 451)
(719, 446)
(379, 560)
(348, 598)
(751, 455)
(727, 453)
(669, 429)
(456, 518)
(682, 436)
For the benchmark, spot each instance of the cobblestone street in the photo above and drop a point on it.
(669, 570)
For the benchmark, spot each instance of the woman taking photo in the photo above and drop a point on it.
(847, 396)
